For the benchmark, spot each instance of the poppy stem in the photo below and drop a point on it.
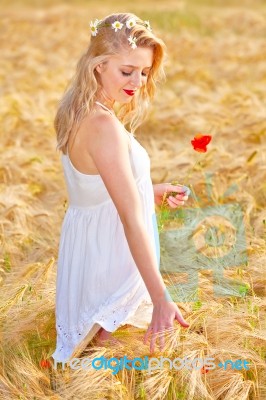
(187, 176)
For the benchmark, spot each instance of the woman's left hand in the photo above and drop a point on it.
(173, 201)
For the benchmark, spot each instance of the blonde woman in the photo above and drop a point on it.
(108, 261)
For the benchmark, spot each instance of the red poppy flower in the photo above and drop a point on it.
(200, 142)
(45, 364)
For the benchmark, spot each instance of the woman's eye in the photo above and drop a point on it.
(129, 73)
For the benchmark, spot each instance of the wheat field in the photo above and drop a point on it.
(216, 84)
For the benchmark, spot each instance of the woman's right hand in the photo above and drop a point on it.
(164, 314)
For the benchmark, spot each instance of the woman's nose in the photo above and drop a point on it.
(136, 81)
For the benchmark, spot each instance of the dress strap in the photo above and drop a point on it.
(100, 104)
(129, 134)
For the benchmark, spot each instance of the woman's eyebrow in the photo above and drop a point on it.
(133, 66)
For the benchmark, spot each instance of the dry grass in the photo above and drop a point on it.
(216, 84)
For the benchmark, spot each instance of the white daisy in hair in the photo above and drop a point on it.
(130, 23)
(117, 25)
(147, 25)
(93, 26)
(132, 41)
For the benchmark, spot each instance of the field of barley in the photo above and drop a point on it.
(216, 85)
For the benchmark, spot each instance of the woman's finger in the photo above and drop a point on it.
(162, 339)
(148, 332)
(166, 329)
(181, 197)
(176, 188)
(180, 319)
(153, 341)
(174, 202)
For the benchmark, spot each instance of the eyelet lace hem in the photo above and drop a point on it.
(69, 339)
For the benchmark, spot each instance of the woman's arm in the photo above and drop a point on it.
(145, 257)
(109, 150)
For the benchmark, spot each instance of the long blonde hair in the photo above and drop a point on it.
(80, 94)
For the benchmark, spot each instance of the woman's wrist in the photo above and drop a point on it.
(160, 297)
(156, 288)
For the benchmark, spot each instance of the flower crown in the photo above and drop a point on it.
(118, 25)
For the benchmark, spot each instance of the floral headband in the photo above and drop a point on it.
(118, 25)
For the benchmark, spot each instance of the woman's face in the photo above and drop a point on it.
(125, 72)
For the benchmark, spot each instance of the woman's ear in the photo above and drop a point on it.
(99, 68)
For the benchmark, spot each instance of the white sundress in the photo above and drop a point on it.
(98, 283)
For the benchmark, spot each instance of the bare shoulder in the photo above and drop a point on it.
(103, 129)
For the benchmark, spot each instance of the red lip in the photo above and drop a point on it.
(130, 92)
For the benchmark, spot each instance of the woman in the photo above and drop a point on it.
(108, 263)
